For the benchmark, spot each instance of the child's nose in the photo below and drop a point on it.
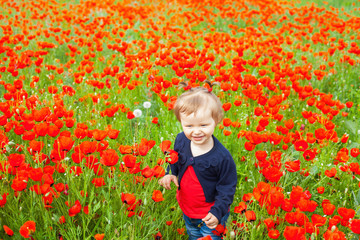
(196, 130)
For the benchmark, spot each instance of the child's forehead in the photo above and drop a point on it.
(200, 112)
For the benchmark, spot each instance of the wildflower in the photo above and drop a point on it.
(172, 157)
(250, 215)
(301, 145)
(137, 113)
(27, 229)
(128, 198)
(155, 120)
(98, 182)
(157, 196)
(99, 236)
(355, 226)
(294, 233)
(147, 104)
(274, 234)
(8, 231)
(109, 158)
(129, 160)
(75, 209)
(15, 159)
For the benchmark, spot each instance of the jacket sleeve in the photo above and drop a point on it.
(225, 188)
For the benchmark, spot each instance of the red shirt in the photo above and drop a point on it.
(191, 196)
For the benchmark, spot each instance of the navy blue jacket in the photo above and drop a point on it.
(216, 171)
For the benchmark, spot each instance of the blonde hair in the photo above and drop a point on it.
(195, 98)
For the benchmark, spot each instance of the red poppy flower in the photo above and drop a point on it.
(36, 174)
(129, 160)
(99, 135)
(80, 133)
(98, 182)
(19, 184)
(294, 233)
(27, 229)
(331, 173)
(249, 146)
(292, 166)
(260, 155)
(113, 133)
(318, 220)
(59, 187)
(128, 198)
(227, 122)
(241, 208)
(16, 159)
(40, 115)
(332, 234)
(53, 131)
(109, 158)
(346, 213)
(301, 145)
(147, 172)
(355, 226)
(41, 129)
(165, 145)
(75, 209)
(354, 152)
(172, 157)
(320, 190)
(157, 196)
(143, 149)
(64, 143)
(272, 174)
(130, 115)
(155, 120)
(125, 149)
(219, 230)
(250, 215)
(62, 220)
(309, 154)
(3, 199)
(226, 106)
(99, 236)
(8, 231)
(274, 234)
(88, 147)
(276, 199)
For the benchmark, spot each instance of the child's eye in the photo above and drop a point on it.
(204, 125)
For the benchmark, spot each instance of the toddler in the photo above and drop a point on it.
(205, 174)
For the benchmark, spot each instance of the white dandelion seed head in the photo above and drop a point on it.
(137, 113)
(147, 104)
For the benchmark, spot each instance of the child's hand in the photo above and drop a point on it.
(166, 181)
(211, 221)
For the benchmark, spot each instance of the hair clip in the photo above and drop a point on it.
(185, 85)
(211, 85)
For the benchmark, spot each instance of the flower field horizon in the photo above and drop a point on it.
(87, 129)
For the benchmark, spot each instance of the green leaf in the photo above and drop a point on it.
(356, 197)
(314, 170)
(351, 126)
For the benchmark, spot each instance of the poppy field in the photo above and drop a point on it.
(86, 127)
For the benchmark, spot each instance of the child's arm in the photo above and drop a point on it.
(166, 181)
(225, 189)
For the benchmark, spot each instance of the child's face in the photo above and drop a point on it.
(199, 126)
